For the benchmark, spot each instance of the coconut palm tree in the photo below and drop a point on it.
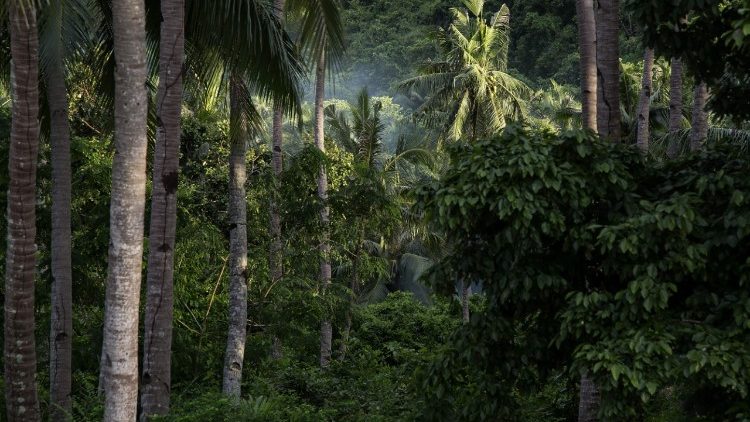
(120, 366)
(52, 52)
(275, 261)
(21, 400)
(157, 337)
(699, 129)
(608, 69)
(323, 43)
(361, 134)
(675, 103)
(234, 356)
(557, 105)
(319, 20)
(229, 61)
(587, 48)
(468, 91)
(644, 102)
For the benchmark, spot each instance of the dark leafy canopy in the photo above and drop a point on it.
(711, 36)
(592, 258)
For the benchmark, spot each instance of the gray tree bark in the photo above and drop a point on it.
(699, 131)
(326, 331)
(120, 353)
(157, 337)
(61, 318)
(587, 48)
(675, 105)
(675, 96)
(644, 102)
(19, 345)
(608, 69)
(465, 295)
(237, 333)
(588, 406)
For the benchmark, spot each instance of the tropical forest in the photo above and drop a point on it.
(375, 210)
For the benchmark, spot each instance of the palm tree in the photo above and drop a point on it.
(699, 130)
(322, 40)
(157, 338)
(469, 91)
(326, 331)
(321, 33)
(241, 50)
(120, 356)
(276, 265)
(21, 400)
(52, 52)
(644, 102)
(675, 103)
(608, 69)
(234, 356)
(587, 47)
(675, 96)
(557, 105)
(362, 137)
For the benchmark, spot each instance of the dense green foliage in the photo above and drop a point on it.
(581, 254)
(591, 257)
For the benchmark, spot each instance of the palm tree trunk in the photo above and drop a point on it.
(21, 400)
(276, 259)
(588, 406)
(354, 287)
(644, 103)
(675, 96)
(675, 104)
(699, 130)
(120, 364)
(326, 331)
(157, 336)
(465, 295)
(608, 69)
(587, 48)
(235, 352)
(61, 318)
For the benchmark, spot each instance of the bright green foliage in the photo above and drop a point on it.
(592, 258)
(468, 92)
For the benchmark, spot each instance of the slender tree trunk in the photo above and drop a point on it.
(354, 286)
(157, 337)
(644, 103)
(276, 259)
(675, 96)
(61, 318)
(235, 352)
(587, 48)
(21, 400)
(675, 105)
(465, 295)
(608, 69)
(126, 213)
(588, 407)
(326, 331)
(699, 130)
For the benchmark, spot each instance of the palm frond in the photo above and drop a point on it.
(321, 29)
(250, 40)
